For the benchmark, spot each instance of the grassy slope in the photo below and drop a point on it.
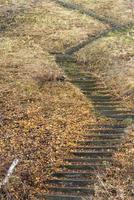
(112, 58)
(120, 10)
(37, 110)
(40, 119)
(118, 180)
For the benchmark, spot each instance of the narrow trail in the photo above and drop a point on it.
(76, 177)
(113, 25)
(98, 36)
(89, 12)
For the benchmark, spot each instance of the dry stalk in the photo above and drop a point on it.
(9, 173)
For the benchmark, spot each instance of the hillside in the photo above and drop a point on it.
(42, 113)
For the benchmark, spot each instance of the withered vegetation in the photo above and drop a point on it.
(112, 58)
(121, 11)
(118, 180)
(42, 114)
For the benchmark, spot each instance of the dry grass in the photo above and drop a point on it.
(54, 28)
(38, 125)
(118, 180)
(40, 117)
(120, 10)
(112, 58)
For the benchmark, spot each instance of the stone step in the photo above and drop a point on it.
(64, 197)
(99, 142)
(104, 136)
(73, 174)
(101, 97)
(93, 154)
(86, 86)
(72, 190)
(116, 112)
(93, 88)
(97, 147)
(106, 103)
(109, 126)
(89, 160)
(120, 116)
(84, 81)
(105, 130)
(71, 182)
(108, 108)
(103, 92)
(76, 166)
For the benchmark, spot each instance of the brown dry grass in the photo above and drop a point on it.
(118, 180)
(112, 58)
(38, 125)
(120, 10)
(40, 119)
(54, 28)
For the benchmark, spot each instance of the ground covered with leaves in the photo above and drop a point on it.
(42, 117)
(112, 58)
(118, 180)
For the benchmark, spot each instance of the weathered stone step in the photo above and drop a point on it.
(71, 182)
(73, 174)
(88, 88)
(110, 126)
(99, 142)
(106, 130)
(109, 108)
(76, 166)
(97, 147)
(103, 92)
(101, 97)
(116, 112)
(65, 197)
(70, 70)
(89, 160)
(78, 75)
(93, 88)
(104, 136)
(120, 116)
(83, 81)
(106, 103)
(93, 154)
(88, 85)
(72, 190)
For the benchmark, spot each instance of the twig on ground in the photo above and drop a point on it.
(9, 172)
